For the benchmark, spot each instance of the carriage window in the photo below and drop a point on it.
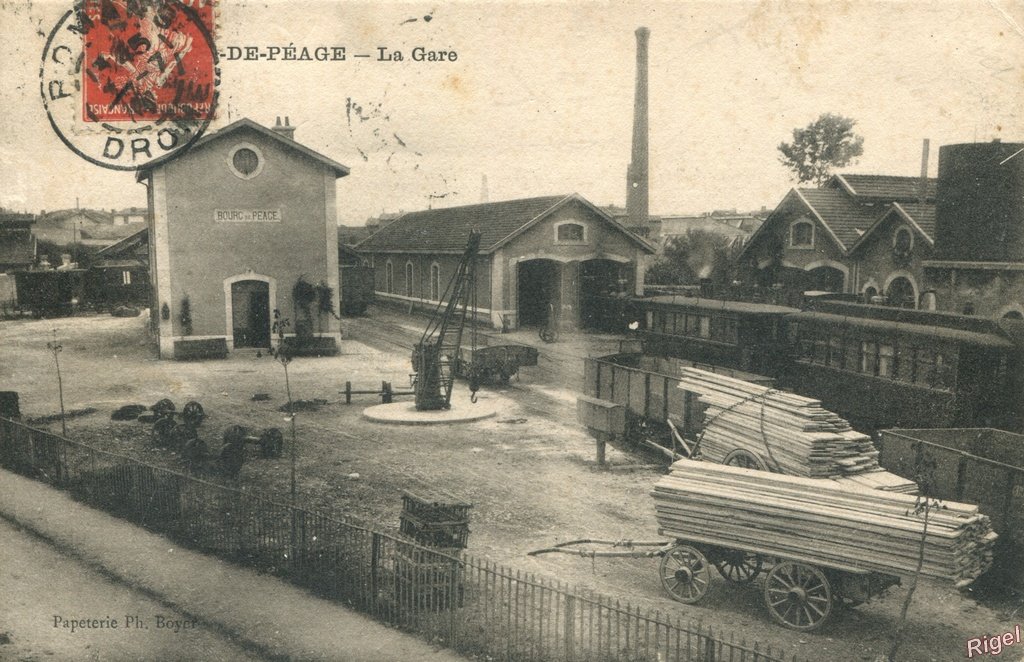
(885, 360)
(835, 352)
(650, 320)
(942, 372)
(807, 348)
(923, 366)
(820, 350)
(678, 323)
(869, 357)
(724, 329)
(704, 329)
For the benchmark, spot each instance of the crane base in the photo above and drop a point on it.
(461, 411)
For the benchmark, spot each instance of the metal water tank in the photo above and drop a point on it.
(979, 205)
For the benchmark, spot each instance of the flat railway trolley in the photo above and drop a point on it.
(798, 594)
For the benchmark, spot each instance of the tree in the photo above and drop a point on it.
(826, 143)
(690, 257)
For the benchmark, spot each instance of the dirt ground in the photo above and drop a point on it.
(529, 472)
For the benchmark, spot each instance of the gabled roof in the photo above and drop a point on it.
(886, 188)
(56, 217)
(246, 123)
(446, 230)
(122, 247)
(918, 216)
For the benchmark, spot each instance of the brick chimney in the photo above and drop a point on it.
(286, 129)
(637, 180)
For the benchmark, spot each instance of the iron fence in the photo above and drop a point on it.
(472, 606)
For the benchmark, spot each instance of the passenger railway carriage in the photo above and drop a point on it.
(891, 367)
(735, 334)
(876, 366)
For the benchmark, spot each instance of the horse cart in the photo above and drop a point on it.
(798, 594)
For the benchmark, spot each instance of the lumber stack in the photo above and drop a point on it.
(790, 433)
(879, 479)
(816, 521)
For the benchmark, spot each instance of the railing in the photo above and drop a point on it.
(469, 605)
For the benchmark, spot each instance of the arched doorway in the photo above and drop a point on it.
(825, 279)
(537, 284)
(250, 313)
(901, 293)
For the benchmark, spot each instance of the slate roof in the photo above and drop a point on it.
(921, 217)
(446, 230)
(887, 188)
(846, 219)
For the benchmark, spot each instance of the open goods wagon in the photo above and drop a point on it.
(979, 465)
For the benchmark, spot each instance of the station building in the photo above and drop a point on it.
(866, 235)
(557, 255)
(234, 223)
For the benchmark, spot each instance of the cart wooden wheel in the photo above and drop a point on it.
(685, 574)
(195, 450)
(744, 459)
(798, 595)
(182, 434)
(271, 443)
(193, 413)
(162, 429)
(737, 566)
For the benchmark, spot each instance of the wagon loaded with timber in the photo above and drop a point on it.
(820, 543)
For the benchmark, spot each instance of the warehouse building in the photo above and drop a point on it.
(240, 225)
(539, 257)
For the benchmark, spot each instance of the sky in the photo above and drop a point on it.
(540, 99)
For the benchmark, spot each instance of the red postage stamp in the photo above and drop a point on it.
(147, 60)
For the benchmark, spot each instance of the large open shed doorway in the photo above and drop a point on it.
(250, 313)
(538, 287)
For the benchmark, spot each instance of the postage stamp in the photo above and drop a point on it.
(126, 82)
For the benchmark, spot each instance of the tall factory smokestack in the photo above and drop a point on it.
(922, 192)
(637, 178)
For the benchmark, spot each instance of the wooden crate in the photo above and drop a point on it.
(601, 415)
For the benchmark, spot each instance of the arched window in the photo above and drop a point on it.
(570, 233)
(801, 234)
(389, 277)
(870, 293)
(1013, 315)
(903, 241)
(408, 279)
(435, 282)
(901, 293)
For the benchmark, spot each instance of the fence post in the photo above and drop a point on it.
(570, 625)
(374, 570)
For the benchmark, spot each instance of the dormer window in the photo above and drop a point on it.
(570, 232)
(801, 234)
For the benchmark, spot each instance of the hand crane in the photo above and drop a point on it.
(434, 356)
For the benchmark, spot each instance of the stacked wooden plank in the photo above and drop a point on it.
(819, 522)
(879, 479)
(790, 433)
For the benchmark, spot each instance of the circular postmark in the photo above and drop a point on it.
(126, 83)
